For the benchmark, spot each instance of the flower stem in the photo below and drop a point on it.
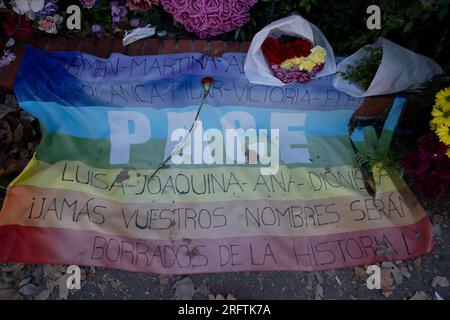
(161, 166)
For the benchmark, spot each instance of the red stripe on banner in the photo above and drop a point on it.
(261, 253)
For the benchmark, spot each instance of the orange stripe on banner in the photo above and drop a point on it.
(59, 208)
(261, 253)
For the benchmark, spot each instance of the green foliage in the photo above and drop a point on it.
(363, 73)
(388, 160)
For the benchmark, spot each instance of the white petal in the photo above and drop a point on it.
(10, 43)
(30, 15)
(37, 5)
(20, 6)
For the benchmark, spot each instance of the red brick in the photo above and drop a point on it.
(245, 45)
(201, 46)
(168, 46)
(118, 46)
(185, 45)
(217, 48)
(151, 46)
(56, 44)
(41, 42)
(73, 44)
(103, 47)
(135, 49)
(233, 46)
(9, 75)
(88, 45)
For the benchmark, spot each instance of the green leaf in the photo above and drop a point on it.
(408, 27)
(443, 13)
(236, 33)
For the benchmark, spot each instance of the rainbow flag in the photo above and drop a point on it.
(90, 196)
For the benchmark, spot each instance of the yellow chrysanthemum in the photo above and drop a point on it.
(442, 107)
(448, 153)
(433, 126)
(318, 55)
(307, 65)
(443, 133)
(291, 63)
(441, 116)
(443, 98)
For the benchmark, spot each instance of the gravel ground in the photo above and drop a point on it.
(421, 278)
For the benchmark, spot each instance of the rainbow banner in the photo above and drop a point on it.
(90, 196)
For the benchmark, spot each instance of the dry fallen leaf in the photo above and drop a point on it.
(221, 297)
(163, 281)
(9, 294)
(18, 133)
(384, 251)
(387, 282)
(231, 297)
(63, 290)
(29, 289)
(397, 275)
(420, 295)
(360, 273)
(4, 110)
(12, 267)
(203, 290)
(418, 262)
(405, 273)
(184, 289)
(6, 135)
(319, 277)
(319, 292)
(310, 278)
(440, 281)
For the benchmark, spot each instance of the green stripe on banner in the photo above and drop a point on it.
(324, 152)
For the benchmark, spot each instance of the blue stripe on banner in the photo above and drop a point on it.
(92, 122)
(163, 81)
(395, 113)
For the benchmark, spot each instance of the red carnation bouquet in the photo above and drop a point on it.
(289, 50)
(293, 59)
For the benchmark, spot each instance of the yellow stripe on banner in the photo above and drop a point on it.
(227, 183)
(56, 208)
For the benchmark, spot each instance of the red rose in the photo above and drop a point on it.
(207, 80)
(301, 47)
(17, 26)
(288, 51)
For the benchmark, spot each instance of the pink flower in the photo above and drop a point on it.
(88, 3)
(141, 5)
(414, 162)
(430, 187)
(209, 18)
(180, 5)
(97, 30)
(430, 146)
(49, 24)
(441, 168)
